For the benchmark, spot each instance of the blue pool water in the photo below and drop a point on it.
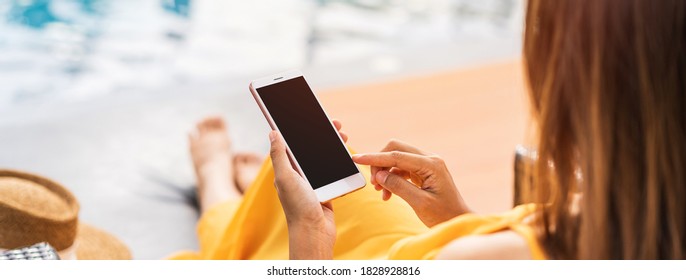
(56, 50)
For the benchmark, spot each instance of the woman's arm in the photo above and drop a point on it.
(504, 245)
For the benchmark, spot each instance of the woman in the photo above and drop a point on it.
(608, 97)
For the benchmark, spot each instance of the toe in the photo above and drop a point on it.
(246, 167)
(211, 124)
(192, 138)
(247, 158)
(253, 158)
(215, 122)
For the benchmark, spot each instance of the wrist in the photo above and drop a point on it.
(308, 241)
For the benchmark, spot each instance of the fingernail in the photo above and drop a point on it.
(381, 176)
(272, 136)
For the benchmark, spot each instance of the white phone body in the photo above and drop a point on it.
(324, 193)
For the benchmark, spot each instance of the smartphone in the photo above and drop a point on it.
(314, 147)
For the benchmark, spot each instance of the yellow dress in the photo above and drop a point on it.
(367, 227)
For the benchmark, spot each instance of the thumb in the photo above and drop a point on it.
(398, 186)
(280, 161)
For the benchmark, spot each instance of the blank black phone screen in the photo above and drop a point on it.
(309, 134)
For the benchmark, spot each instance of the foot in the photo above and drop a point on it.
(210, 149)
(245, 167)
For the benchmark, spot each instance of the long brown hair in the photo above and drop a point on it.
(608, 92)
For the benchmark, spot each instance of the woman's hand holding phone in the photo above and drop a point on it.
(421, 179)
(311, 227)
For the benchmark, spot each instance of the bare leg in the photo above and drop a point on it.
(210, 149)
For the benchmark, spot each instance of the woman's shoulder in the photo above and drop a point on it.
(506, 244)
(507, 235)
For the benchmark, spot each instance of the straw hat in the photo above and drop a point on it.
(34, 209)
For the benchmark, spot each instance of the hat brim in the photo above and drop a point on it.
(95, 244)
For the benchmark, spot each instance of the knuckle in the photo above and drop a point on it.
(391, 180)
(437, 160)
(396, 155)
(389, 145)
(393, 144)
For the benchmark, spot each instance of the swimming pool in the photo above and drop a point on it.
(55, 50)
